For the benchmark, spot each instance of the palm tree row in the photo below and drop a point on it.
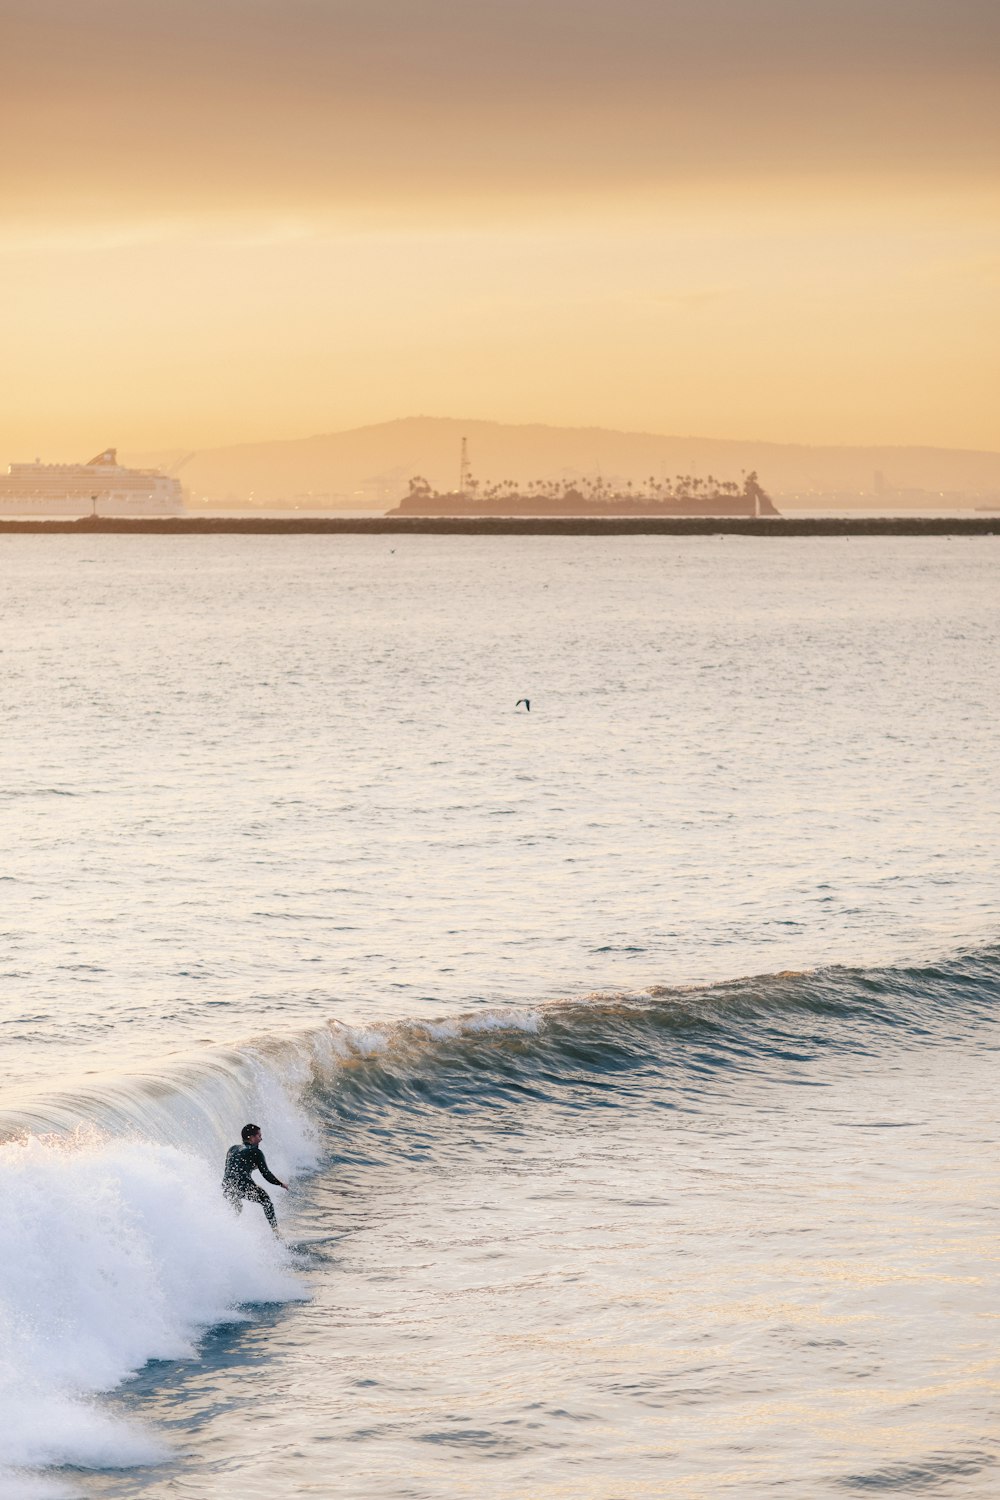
(682, 487)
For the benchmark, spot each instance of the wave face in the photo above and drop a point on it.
(118, 1248)
(697, 1039)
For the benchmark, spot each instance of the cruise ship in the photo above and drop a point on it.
(101, 487)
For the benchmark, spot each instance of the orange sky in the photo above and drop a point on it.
(243, 218)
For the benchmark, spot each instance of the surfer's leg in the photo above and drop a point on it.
(257, 1195)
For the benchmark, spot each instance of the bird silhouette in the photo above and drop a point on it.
(526, 702)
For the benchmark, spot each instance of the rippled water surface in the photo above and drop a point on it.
(578, 1208)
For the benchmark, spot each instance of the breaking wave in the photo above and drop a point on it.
(118, 1248)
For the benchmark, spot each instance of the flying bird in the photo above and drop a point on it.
(526, 702)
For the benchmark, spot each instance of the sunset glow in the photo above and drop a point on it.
(758, 220)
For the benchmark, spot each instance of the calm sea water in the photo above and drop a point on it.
(632, 1058)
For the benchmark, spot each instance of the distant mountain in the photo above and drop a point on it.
(369, 467)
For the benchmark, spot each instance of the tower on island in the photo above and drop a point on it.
(463, 468)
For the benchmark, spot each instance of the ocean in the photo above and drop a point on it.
(631, 1057)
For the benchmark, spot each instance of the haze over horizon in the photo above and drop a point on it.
(370, 466)
(755, 220)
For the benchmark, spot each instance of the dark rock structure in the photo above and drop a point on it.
(393, 525)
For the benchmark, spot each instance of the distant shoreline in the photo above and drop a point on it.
(783, 526)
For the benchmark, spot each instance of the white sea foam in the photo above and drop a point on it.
(115, 1251)
(503, 1020)
(19, 1485)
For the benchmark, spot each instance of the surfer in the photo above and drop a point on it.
(237, 1183)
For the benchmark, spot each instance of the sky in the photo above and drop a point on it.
(246, 219)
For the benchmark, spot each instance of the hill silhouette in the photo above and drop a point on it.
(369, 467)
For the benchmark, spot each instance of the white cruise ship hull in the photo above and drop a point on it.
(102, 487)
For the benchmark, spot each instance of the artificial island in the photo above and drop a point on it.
(686, 495)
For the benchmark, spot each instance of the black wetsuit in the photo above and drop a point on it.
(237, 1183)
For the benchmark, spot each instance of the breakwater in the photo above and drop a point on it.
(299, 525)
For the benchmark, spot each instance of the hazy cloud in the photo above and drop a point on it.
(114, 106)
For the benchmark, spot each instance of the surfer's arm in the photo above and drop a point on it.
(268, 1175)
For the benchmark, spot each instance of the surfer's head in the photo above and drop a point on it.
(248, 1132)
